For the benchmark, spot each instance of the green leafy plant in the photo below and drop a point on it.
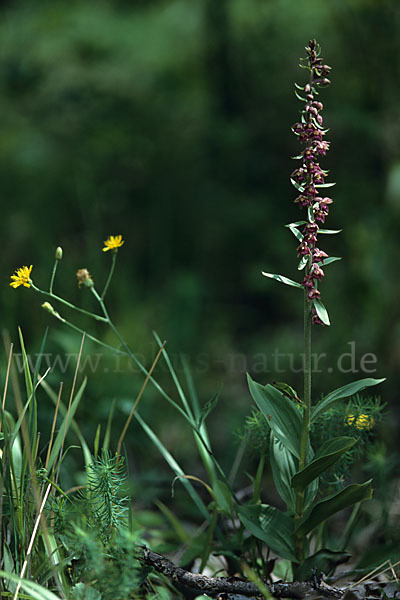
(310, 444)
(298, 465)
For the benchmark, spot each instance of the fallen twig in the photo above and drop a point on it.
(234, 585)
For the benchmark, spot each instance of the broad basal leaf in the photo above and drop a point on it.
(326, 456)
(283, 468)
(280, 413)
(343, 392)
(324, 561)
(270, 525)
(326, 508)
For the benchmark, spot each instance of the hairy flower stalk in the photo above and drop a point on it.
(308, 179)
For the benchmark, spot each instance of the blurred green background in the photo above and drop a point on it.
(168, 121)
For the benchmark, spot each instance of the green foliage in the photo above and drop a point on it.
(105, 509)
(336, 421)
(80, 591)
(329, 506)
(270, 525)
(255, 433)
(344, 392)
(111, 570)
(280, 413)
(326, 455)
(100, 125)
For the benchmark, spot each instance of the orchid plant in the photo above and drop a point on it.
(296, 465)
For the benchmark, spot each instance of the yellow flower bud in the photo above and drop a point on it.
(50, 309)
(59, 253)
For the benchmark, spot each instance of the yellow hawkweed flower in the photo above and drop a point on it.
(21, 277)
(113, 243)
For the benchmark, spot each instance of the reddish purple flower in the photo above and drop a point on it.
(303, 249)
(308, 282)
(315, 318)
(322, 210)
(316, 271)
(310, 175)
(303, 201)
(310, 191)
(313, 294)
(299, 175)
(321, 147)
(318, 255)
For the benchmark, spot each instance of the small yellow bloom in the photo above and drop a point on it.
(21, 277)
(113, 243)
(364, 422)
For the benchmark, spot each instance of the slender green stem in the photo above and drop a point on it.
(307, 383)
(305, 429)
(128, 352)
(91, 337)
(111, 273)
(53, 274)
(66, 303)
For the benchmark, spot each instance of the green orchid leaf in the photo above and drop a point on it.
(281, 414)
(329, 260)
(283, 469)
(330, 231)
(299, 97)
(330, 506)
(271, 526)
(297, 234)
(343, 392)
(326, 456)
(321, 312)
(298, 187)
(302, 263)
(296, 224)
(325, 185)
(324, 561)
(283, 279)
